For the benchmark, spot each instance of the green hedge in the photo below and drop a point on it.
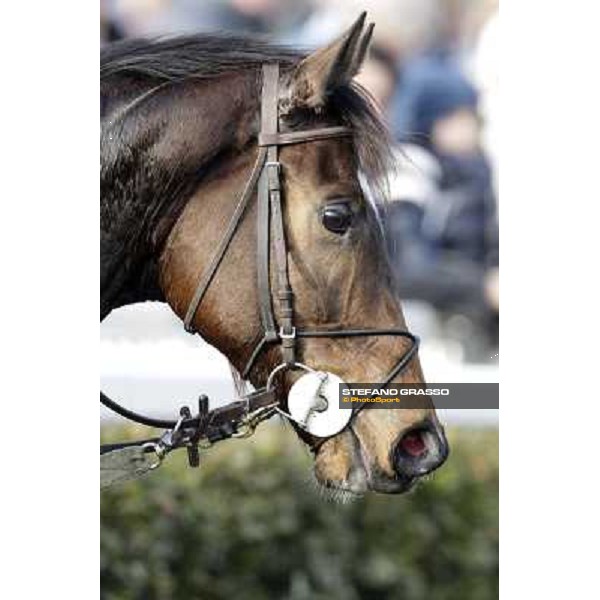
(251, 524)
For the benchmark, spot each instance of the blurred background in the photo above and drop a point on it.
(250, 521)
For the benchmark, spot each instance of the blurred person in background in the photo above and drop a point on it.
(443, 221)
(380, 76)
(110, 28)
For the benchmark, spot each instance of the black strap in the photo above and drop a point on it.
(263, 254)
(270, 125)
(391, 331)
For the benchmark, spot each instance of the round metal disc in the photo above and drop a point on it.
(313, 402)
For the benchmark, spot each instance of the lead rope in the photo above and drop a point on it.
(129, 460)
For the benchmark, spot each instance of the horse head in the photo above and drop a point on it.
(187, 137)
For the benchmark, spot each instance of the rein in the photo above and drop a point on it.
(239, 418)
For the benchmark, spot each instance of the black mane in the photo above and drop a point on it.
(190, 56)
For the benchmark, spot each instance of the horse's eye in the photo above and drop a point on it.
(337, 218)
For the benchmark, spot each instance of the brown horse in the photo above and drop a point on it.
(180, 119)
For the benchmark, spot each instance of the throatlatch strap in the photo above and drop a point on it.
(235, 220)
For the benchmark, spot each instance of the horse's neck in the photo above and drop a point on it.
(150, 167)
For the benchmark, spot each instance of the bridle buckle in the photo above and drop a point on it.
(287, 336)
(273, 163)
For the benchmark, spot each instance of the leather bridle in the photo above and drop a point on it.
(244, 414)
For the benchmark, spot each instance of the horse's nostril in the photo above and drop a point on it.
(420, 451)
(413, 443)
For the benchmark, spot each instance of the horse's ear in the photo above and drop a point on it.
(330, 67)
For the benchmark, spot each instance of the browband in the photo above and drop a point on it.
(298, 137)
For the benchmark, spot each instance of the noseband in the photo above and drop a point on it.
(266, 177)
